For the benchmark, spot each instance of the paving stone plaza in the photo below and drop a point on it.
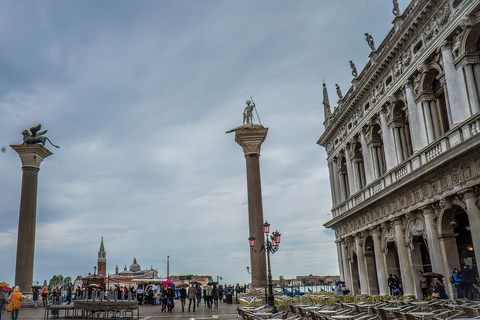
(225, 311)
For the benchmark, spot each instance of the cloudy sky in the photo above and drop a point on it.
(139, 95)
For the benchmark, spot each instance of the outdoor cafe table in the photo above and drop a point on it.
(264, 315)
(391, 309)
(422, 304)
(327, 311)
(343, 316)
(421, 314)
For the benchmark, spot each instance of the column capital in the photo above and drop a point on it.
(250, 138)
(31, 154)
(446, 45)
(427, 210)
(468, 193)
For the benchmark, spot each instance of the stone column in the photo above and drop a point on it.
(361, 264)
(388, 142)
(350, 170)
(338, 242)
(367, 157)
(458, 105)
(347, 272)
(380, 262)
(251, 137)
(31, 156)
(470, 197)
(407, 276)
(432, 237)
(417, 125)
(472, 89)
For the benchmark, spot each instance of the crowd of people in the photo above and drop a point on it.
(164, 296)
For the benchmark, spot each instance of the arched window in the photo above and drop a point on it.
(471, 68)
(378, 154)
(434, 106)
(401, 132)
(344, 187)
(359, 166)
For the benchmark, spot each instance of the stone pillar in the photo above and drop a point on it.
(361, 265)
(367, 157)
(347, 272)
(470, 197)
(432, 237)
(388, 142)
(458, 106)
(350, 171)
(407, 276)
(472, 89)
(380, 262)
(31, 156)
(338, 242)
(251, 137)
(417, 125)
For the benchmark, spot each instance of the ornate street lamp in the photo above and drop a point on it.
(270, 246)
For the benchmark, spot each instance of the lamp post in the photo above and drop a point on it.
(270, 246)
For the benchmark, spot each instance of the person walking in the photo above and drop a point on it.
(208, 296)
(215, 297)
(35, 298)
(423, 285)
(457, 281)
(15, 299)
(183, 297)
(3, 300)
(439, 290)
(44, 295)
(192, 292)
(468, 280)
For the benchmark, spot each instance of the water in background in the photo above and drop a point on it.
(309, 288)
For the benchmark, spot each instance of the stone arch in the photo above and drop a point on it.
(471, 41)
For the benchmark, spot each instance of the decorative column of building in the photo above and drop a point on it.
(470, 197)
(417, 125)
(432, 238)
(347, 272)
(352, 179)
(428, 119)
(334, 182)
(407, 276)
(250, 137)
(471, 87)
(380, 261)
(459, 108)
(31, 156)
(367, 157)
(338, 242)
(361, 264)
(388, 141)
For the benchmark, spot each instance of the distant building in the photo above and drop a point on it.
(403, 150)
(122, 278)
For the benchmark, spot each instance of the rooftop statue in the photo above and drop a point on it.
(354, 69)
(370, 41)
(36, 136)
(339, 92)
(396, 8)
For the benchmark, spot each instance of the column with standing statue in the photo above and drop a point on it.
(250, 137)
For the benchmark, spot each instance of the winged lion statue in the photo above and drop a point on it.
(36, 136)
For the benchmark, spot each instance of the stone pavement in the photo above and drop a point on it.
(224, 311)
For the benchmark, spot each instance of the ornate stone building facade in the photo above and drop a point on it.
(403, 148)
